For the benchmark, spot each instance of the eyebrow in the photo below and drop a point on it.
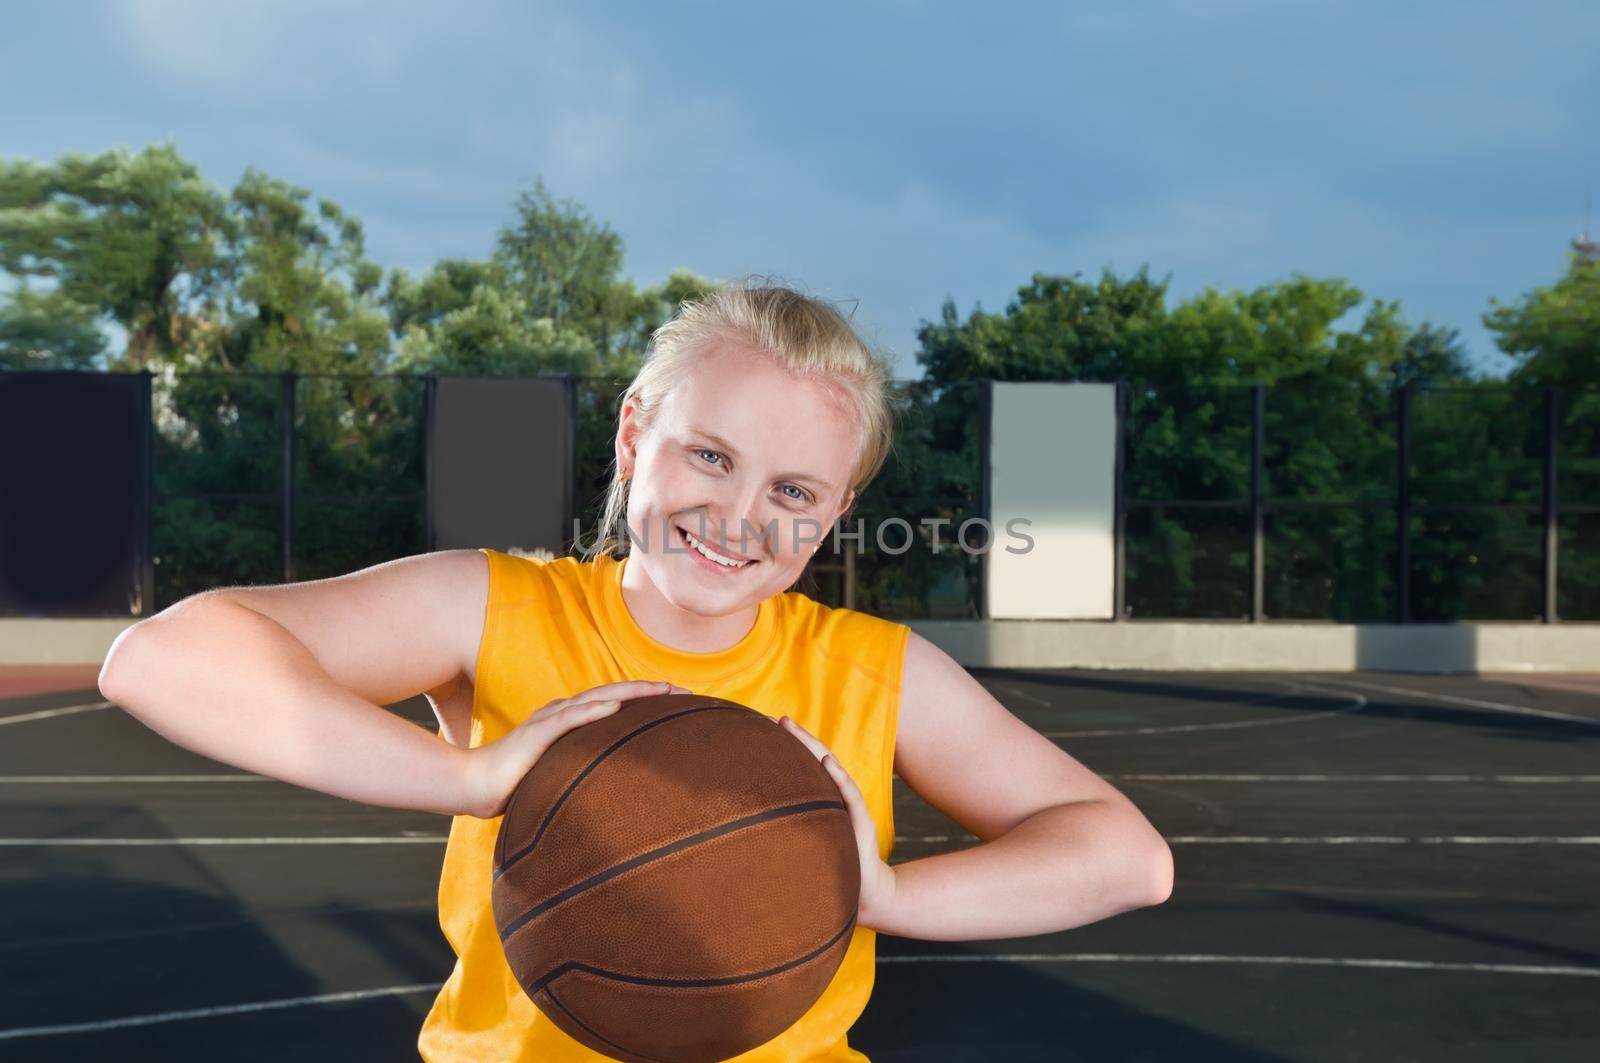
(712, 437)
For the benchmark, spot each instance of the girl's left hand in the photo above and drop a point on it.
(877, 877)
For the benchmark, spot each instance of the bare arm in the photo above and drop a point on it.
(232, 684)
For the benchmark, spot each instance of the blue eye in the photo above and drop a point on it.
(800, 497)
(712, 453)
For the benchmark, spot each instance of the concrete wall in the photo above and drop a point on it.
(28, 641)
(1177, 645)
(1276, 646)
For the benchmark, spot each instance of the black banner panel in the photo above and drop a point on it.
(502, 463)
(72, 481)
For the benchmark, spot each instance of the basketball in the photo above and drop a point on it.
(676, 882)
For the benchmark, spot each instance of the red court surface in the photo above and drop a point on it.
(18, 680)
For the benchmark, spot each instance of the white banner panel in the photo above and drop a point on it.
(1052, 469)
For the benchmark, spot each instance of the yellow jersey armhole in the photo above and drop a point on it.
(486, 645)
(893, 728)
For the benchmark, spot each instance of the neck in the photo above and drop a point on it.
(678, 628)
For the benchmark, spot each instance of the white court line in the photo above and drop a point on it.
(1336, 839)
(1017, 957)
(1356, 705)
(382, 839)
(1357, 778)
(1452, 699)
(1193, 839)
(1257, 700)
(1383, 839)
(1290, 961)
(218, 777)
(45, 714)
(1023, 694)
(28, 780)
(206, 1013)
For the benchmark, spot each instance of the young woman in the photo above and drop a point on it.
(755, 422)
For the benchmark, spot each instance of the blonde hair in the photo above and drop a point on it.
(806, 335)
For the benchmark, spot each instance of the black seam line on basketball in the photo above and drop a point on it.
(621, 1049)
(663, 851)
(505, 864)
(688, 983)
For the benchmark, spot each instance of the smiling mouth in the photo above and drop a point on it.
(723, 560)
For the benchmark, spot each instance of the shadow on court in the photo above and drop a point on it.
(1370, 866)
(86, 941)
(983, 1012)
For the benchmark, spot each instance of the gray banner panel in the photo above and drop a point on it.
(502, 463)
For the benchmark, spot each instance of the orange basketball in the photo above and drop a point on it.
(676, 882)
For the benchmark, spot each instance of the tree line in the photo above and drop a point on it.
(129, 260)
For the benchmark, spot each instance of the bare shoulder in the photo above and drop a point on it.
(390, 631)
(969, 756)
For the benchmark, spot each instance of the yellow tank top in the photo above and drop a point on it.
(555, 628)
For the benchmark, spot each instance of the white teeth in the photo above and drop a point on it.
(705, 551)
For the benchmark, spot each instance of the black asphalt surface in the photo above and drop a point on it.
(1370, 866)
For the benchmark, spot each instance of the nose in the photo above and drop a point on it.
(735, 520)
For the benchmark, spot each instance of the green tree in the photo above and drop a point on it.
(443, 290)
(46, 330)
(131, 236)
(566, 267)
(1553, 332)
(1329, 427)
(301, 293)
(1433, 355)
(494, 334)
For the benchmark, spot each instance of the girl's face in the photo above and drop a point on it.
(744, 460)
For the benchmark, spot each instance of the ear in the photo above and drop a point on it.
(627, 441)
(844, 506)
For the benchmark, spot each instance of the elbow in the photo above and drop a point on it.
(1156, 875)
(127, 661)
(134, 652)
(111, 680)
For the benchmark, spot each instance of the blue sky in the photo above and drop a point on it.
(893, 152)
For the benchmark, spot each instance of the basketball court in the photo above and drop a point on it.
(1370, 865)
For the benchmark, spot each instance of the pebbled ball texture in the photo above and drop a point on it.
(676, 882)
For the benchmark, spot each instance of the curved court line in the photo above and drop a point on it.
(1287, 961)
(1385, 839)
(45, 714)
(1016, 957)
(226, 1009)
(1475, 703)
(1024, 695)
(1335, 839)
(1550, 779)
(1357, 703)
(87, 780)
(1190, 839)
(1259, 699)
(381, 839)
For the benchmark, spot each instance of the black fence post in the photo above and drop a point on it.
(146, 605)
(286, 410)
(985, 474)
(1552, 401)
(429, 392)
(1119, 513)
(850, 576)
(1402, 505)
(1258, 416)
(569, 537)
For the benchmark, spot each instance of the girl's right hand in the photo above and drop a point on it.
(494, 769)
